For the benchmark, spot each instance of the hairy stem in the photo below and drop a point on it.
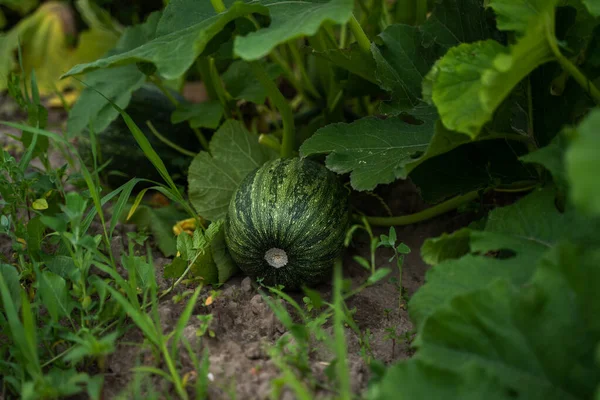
(405, 12)
(203, 66)
(159, 83)
(168, 142)
(361, 37)
(219, 87)
(287, 146)
(568, 66)
(424, 215)
(420, 11)
(269, 141)
(218, 5)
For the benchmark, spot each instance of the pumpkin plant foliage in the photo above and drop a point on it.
(474, 97)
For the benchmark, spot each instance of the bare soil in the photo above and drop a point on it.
(244, 326)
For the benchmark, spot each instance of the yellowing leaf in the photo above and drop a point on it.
(45, 38)
(40, 204)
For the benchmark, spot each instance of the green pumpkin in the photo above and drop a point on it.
(287, 222)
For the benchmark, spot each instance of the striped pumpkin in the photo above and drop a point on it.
(287, 221)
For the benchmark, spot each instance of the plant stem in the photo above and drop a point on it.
(287, 71)
(168, 142)
(343, 36)
(405, 12)
(361, 37)
(420, 12)
(424, 215)
(289, 139)
(176, 381)
(515, 137)
(218, 6)
(218, 85)
(159, 83)
(303, 74)
(203, 66)
(269, 141)
(568, 66)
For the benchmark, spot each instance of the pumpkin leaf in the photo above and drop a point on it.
(552, 157)
(518, 16)
(471, 81)
(207, 114)
(290, 20)
(226, 267)
(593, 6)
(188, 23)
(375, 151)
(159, 221)
(240, 87)
(458, 344)
(581, 161)
(212, 178)
(175, 268)
(92, 109)
(208, 250)
(406, 53)
(514, 239)
(352, 59)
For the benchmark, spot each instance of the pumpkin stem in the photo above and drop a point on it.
(276, 257)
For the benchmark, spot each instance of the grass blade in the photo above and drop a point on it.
(126, 190)
(183, 320)
(140, 319)
(342, 372)
(17, 330)
(151, 370)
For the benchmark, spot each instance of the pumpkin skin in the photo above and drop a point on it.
(287, 222)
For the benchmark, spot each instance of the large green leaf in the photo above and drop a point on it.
(207, 114)
(581, 31)
(182, 33)
(494, 343)
(472, 166)
(583, 164)
(519, 15)
(593, 7)
(116, 84)
(406, 53)
(552, 157)
(471, 81)
(352, 59)
(375, 151)
(290, 20)
(214, 177)
(527, 229)
(240, 87)
(215, 237)
(402, 63)
(457, 21)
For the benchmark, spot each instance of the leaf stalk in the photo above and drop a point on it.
(287, 116)
(424, 215)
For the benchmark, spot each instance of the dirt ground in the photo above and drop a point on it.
(245, 327)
